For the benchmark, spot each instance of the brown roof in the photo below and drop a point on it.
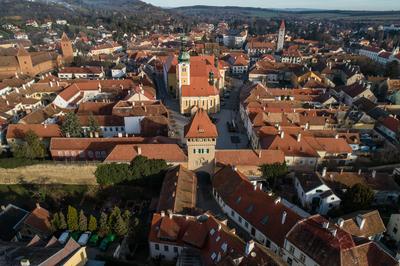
(201, 126)
(77, 144)
(381, 182)
(127, 152)
(323, 245)
(372, 226)
(210, 236)
(102, 120)
(248, 157)
(262, 211)
(18, 131)
(39, 219)
(179, 190)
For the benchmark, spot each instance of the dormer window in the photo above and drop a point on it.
(264, 220)
(250, 208)
(238, 200)
(212, 231)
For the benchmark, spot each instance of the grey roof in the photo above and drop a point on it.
(309, 181)
(10, 220)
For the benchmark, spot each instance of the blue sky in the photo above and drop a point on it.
(321, 4)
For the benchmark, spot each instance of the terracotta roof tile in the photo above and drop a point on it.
(201, 126)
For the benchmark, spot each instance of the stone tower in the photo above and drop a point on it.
(25, 62)
(201, 137)
(281, 37)
(66, 49)
(183, 71)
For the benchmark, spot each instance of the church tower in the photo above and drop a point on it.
(25, 62)
(281, 37)
(201, 137)
(183, 71)
(66, 49)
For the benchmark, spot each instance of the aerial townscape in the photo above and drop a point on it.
(133, 134)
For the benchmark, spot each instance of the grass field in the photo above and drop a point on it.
(49, 173)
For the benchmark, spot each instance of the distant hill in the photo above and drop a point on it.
(229, 11)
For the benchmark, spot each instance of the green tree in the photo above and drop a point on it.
(71, 126)
(271, 172)
(31, 148)
(83, 223)
(113, 216)
(120, 226)
(55, 222)
(104, 229)
(92, 227)
(63, 223)
(93, 124)
(107, 174)
(72, 219)
(358, 197)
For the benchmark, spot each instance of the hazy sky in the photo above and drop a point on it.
(323, 4)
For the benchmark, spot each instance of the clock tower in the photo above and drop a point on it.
(183, 71)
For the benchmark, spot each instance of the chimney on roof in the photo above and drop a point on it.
(38, 205)
(249, 247)
(7, 102)
(340, 222)
(255, 186)
(359, 171)
(341, 171)
(260, 153)
(260, 186)
(277, 200)
(139, 150)
(58, 83)
(360, 221)
(45, 125)
(299, 137)
(51, 84)
(234, 168)
(282, 134)
(25, 262)
(325, 225)
(373, 173)
(334, 232)
(324, 172)
(336, 136)
(170, 215)
(284, 214)
(219, 227)
(96, 134)
(162, 213)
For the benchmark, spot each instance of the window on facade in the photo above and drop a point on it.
(394, 230)
(166, 248)
(291, 249)
(246, 224)
(302, 258)
(157, 246)
(194, 151)
(176, 249)
(289, 261)
(240, 219)
(232, 213)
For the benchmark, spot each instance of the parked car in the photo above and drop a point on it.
(64, 237)
(84, 238)
(94, 239)
(106, 242)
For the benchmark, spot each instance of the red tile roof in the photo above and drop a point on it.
(199, 87)
(248, 157)
(171, 153)
(201, 126)
(39, 219)
(18, 131)
(239, 194)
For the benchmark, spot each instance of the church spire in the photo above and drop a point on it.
(184, 54)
